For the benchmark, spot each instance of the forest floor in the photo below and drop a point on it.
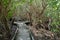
(38, 34)
(42, 34)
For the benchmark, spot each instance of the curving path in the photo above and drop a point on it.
(23, 32)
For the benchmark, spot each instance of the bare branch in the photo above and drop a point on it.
(43, 6)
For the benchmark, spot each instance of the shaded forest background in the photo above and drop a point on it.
(41, 13)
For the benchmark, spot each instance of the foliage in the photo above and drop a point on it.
(35, 8)
(53, 11)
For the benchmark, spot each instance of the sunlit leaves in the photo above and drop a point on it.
(53, 9)
(14, 5)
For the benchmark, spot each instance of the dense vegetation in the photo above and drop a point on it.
(45, 13)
